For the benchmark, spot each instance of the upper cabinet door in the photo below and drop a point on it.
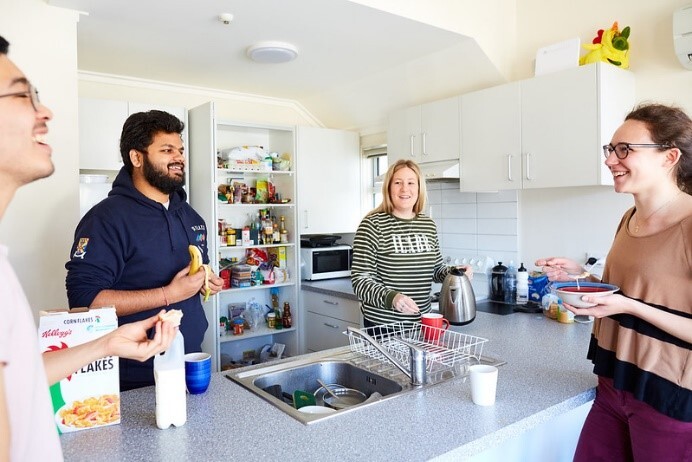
(553, 126)
(491, 139)
(404, 135)
(560, 129)
(100, 125)
(439, 131)
(328, 170)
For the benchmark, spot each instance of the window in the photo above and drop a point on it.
(375, 158)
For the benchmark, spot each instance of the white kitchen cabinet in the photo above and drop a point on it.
(100, 126)
(425, 133)
(328, 174)
(543, 132)
(327, 317)
(491, 141)
(207, 136)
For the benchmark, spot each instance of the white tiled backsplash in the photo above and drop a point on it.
(475, 225)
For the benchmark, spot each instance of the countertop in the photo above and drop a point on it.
(339, 287)
(546, 375)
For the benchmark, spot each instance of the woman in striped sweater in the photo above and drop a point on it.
(641, 344)
(396, 254)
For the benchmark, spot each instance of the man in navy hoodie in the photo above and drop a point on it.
(131, 249)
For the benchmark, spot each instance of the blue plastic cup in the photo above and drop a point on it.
(197, 372)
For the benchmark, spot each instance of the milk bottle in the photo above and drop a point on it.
(169, 375)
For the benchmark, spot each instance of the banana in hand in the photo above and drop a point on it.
(196, 264)
(195, 259)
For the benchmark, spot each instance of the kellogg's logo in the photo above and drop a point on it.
(57, 333)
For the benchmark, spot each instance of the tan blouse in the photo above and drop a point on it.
(655, 366)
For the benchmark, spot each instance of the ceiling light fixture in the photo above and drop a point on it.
(272, 52)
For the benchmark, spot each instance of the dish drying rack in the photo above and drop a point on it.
(449, 350)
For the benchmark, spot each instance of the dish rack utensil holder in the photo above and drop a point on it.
(449, 350)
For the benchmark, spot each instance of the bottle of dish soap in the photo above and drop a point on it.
(169, 376)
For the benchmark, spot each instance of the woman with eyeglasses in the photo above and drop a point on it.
(641, 344)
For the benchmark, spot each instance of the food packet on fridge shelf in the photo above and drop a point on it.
(256, 257)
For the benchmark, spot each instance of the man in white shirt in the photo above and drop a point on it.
(27, 429)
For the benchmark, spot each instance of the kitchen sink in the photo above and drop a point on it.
(378, 380)
(330, 372)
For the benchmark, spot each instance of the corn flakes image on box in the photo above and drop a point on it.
(90, 396)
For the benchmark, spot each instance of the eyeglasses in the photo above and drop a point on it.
(622, 150)
(32, 93)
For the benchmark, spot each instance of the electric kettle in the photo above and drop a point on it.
(457, 300)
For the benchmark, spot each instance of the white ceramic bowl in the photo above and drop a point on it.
(317, 410)
(567, 291)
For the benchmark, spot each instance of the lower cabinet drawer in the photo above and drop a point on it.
(323, 332)
(329, 305)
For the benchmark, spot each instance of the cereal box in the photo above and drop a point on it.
(277, 255)
(90, 396)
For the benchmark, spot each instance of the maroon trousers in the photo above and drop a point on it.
(622, 428)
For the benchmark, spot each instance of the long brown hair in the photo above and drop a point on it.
(387, 206)
(671, 126)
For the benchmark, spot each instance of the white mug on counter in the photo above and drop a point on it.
(483, 384)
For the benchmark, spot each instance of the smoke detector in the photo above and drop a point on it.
(226, 18)
(272, 52)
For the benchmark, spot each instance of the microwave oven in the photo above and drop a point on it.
(325, 262)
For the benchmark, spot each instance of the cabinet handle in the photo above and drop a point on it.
(331, 325)
(411, 141)
(528, 166)
(509, 167)
(329, 302)
(424, 152)
(305, 222)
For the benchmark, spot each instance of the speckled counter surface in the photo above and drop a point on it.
(340, 287)
(545, 376)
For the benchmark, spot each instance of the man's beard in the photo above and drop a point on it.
(161, 180)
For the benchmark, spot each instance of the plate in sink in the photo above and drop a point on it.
(317, 410)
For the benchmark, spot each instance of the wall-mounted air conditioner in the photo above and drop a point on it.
(682, 35)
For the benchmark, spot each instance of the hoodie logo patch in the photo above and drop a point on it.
(81, 248)
(200, 237)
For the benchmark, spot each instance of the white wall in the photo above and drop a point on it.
(473, 225)
(40, 221)
(569, 221)
(492, 23)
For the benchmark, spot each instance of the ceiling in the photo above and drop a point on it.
(355, 64)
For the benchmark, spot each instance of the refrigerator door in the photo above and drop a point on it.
(91, 194)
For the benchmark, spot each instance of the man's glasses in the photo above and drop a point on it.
(622, 150)
(32, 93)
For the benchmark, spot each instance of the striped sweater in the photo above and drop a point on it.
(391, 256)
(640, 358)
